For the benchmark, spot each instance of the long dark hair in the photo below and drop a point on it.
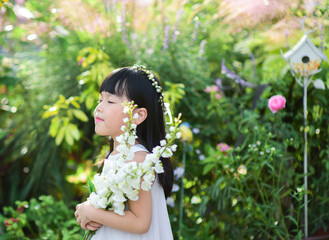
(135, 86)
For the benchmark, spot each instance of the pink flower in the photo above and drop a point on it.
(223, 147)
(11, 221)
(276, 103)
(212, 88)
(81, 61)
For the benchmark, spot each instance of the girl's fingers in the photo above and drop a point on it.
(95, 224)
(91, 228)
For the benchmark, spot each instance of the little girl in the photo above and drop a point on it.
(147, 218)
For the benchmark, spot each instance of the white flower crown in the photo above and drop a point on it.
(151, 77)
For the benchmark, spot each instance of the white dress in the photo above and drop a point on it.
(160, 228)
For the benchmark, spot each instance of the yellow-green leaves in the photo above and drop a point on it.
(64, 111)
(174, 93)
(96, 65)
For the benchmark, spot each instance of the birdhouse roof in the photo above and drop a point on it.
(302, 41)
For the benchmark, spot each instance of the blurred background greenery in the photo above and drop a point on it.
(219, 63)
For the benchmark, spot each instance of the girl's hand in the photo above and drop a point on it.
(83, 210)
(93, 226)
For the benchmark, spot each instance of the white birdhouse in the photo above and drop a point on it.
(305, 57)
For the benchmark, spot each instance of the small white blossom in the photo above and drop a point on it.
(168, 136)
(163, 143)
(123, 149)
(167, 153)
(152, 157)
(126, 120)
(126, 110)
(174, 147)
(172, 129)
(170, 201)
(175, 187)
(178, 172)
(158, 168)
(135, 116)
(178, 135)
(145, 186)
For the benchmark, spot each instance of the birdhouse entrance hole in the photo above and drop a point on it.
(305, 59)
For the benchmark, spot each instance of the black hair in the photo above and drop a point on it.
(136, 86)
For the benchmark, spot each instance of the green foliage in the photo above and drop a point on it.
(61, 127)
(45, 218)
(49, 89)
(96, 65)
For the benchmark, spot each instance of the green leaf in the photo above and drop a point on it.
(80, 115)
(68, 135)
(207, 168)
(91, 185)
(74, 131)
(54, 126)
(60, 135)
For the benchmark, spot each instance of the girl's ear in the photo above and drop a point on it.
(142, 114)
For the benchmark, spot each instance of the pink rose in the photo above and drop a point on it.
(276, 103)
(223, 147)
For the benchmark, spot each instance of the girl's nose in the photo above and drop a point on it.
(99, 108)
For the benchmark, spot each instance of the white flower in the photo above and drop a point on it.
(167, 153)
(168, 136)
(151, 157)
(174, 148)
(119, 207)
(157, 150)
(179, 172)
(100, 182)
(135, 116)
(163, 143)
(131, 140)
(158, 167)
(133, 125)
(120, 139)
(97, 201)
(149, 178)
(133, 195)
(178, 135)
(170, 201)
(123, 128)
(118, 197)
(175, 187)
(126, 120)
(126, 110)
(123, 149)
(145, 186)
(172, 129)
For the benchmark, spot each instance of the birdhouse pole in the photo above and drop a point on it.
(305, 85)
(305, 60)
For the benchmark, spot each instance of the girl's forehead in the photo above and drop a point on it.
(107, 95)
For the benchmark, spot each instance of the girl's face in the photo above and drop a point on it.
(109, 115)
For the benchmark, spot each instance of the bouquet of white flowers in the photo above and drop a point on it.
(122, 180)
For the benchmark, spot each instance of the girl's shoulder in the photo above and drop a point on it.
(140, 153)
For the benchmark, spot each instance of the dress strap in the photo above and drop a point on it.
(138, 148)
